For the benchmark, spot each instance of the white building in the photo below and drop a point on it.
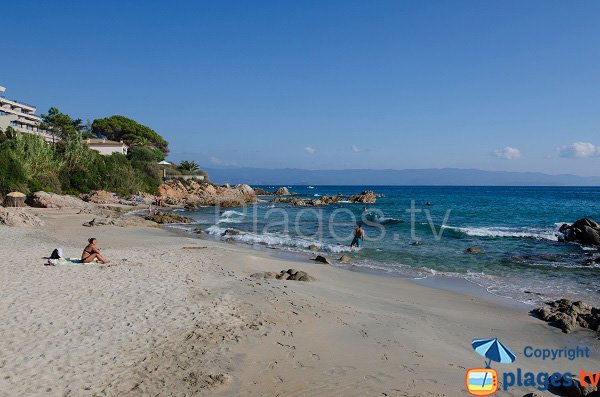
(106, 147)
(21, 117)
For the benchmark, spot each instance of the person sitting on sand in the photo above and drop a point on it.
(359, 236)
(91, 252)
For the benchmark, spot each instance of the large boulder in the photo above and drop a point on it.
(567, 315)
(195, 194)
(282, 191)
(100, 197)
(19, 218)
(584, 231)
(53, 200)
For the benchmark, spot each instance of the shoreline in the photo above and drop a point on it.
(452, 283)
(183, 314)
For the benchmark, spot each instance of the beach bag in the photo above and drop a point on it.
(57, 253)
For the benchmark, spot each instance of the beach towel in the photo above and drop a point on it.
(67, 262)
(73, 261)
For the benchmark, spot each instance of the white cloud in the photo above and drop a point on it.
(310, 149)
(508, 153)
(355, 149)
(579, 150)
(217, 161)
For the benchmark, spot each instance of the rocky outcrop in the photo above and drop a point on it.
(261, 192)
(290, 274)
(100, 197)
(298, 202)
(567, 315)
(282, 191)
(195, 194)
(584, 231)
(19, 218)
(53, 200)
(366, 197)
(125, 221)
(168, 217)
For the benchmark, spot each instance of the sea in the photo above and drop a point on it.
(424, 232)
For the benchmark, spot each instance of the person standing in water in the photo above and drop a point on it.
(359, 236)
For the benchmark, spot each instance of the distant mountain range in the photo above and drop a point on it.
(423, 177)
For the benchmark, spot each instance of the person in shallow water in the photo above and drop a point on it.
(359, 236)
(91, 252)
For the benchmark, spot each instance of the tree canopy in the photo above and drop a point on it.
(131, 132)
(61, 124)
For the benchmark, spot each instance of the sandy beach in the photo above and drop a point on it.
(181, 316)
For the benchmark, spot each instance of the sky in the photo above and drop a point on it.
(494, 85)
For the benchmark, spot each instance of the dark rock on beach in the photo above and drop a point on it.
(168, 217)
(584, 231)
(290, 274)
(322, 259)
(567, 315)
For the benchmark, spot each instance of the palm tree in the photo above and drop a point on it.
(141, 141)
(189, 166)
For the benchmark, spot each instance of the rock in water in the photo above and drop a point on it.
(313, 247)
(282, 191)
(473, 250)
(584, 231)
(344, 259)
(322, 259)
(366, 197)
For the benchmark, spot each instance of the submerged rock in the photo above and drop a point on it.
(473, 250)
(344, 259)
(313, 247)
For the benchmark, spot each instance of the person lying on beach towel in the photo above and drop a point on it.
(91, 252)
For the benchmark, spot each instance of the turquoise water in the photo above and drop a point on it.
(514, 227)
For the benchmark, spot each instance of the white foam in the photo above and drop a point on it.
(498, 231)
(277, 240)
